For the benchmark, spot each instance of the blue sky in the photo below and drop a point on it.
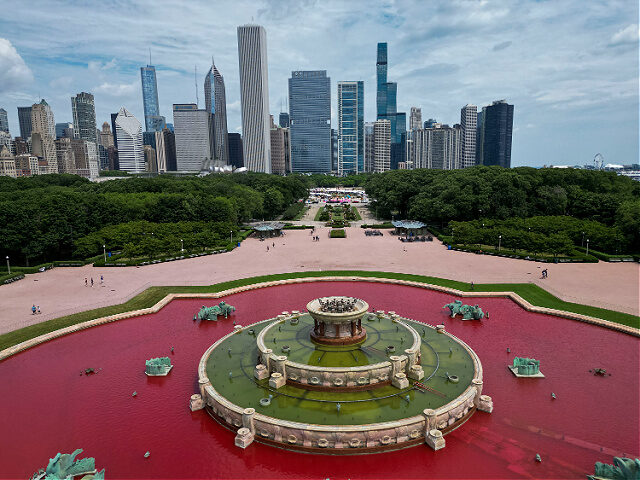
(570, 67)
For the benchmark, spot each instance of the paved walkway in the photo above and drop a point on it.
(61, 291)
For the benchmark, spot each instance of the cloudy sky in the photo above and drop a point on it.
(570, 67)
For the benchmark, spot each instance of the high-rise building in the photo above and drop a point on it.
(129, 140)
(43, 123)
(283, 121)
(24, 119)
(161, 152)
(5, 139)
(382, 148)
(310, 116)
(153, 121)
(216, 104)
(64, 130)
(415, 118)
(106, 137)
(27, 165)
(193, 147)
(334, 150)
(170, 149)
(65, 156)
(350, 127)
(150, 160)
(22, 146)
(430, 123)
(369, 146)
(280, 149)
(85, 157)
(495, 134)
(254, 97)
(236, 157)
(439, 147)
(84, 117)
(387, 108)
(4, 121)
(7, 163)
(479, 138)
(468, 123)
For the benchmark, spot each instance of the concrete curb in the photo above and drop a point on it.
(158, 306)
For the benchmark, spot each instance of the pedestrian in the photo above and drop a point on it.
(274, 244)
(33, 310)
(92, 281)
(101, 279)
(267, 248)
(85, 281)
(473, 287)
(38, 309)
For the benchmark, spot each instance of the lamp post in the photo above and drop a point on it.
(499, 241)
(8, 266)
(587, 246)
(181, 246)
(231, 236)
(582, 242)
(104, 251)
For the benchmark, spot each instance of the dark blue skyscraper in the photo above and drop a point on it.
(24, 119)
(283, 121)
(387, 107)
(495, 134)
(4, 121)
(310, 115)
(153, 121)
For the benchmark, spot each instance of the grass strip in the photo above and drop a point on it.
(530, 292)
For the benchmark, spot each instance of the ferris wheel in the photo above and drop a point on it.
(598, 161)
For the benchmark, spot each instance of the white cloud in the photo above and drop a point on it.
(116, 89)
(14, 73)
(628, 34)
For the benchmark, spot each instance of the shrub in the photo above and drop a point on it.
(337, 233)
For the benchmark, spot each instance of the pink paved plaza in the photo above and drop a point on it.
(61, 291)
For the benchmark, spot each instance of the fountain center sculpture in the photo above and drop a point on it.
(338, 320)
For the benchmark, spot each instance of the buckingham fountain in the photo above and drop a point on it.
(339, 379)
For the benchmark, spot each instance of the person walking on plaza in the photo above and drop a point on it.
(101, 279)
(85, 281)
(92, 281)
(38, 309)
(33, 310)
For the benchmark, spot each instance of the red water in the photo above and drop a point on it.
(47, 406)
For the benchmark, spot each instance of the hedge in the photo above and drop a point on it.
(10, 278)
(337, 233)
(377, 225)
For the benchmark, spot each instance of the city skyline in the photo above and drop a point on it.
(555, 62)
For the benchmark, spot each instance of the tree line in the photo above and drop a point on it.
(42, 217)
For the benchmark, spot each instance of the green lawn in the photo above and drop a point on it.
(318, 214)
(532, 293)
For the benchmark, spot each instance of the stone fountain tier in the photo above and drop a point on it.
(336, 325)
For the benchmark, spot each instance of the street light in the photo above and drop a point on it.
(499, 241)
(181, 246)
(231, 236)
(104, 251)
(8, 266)
(582, 242)
(587, 246)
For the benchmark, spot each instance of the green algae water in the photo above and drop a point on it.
(231, 364)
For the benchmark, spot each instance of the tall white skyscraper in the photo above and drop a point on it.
(254, 97)
(129, 138)
(468, 123)
(44, 125)
(382, 140)
(193, 142)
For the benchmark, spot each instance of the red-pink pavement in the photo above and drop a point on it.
(61, 291)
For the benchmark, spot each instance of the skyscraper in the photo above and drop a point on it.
(350, 127)
(283, 121)
(64, 129)
(106, 137)
(415, 118)
(216, 105)
(438, 147)
(129, 138)
(334, 150)
(24, 119)
(496, 132)
(310, 115)
(369, 146)
(192, 133)
(254, 97)
(468, 123)
(153, 121)
(280, 149)
(387, 108)
(4, 121)
(43, 123)
(235, 150)
(84, 117)
(382, 148)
